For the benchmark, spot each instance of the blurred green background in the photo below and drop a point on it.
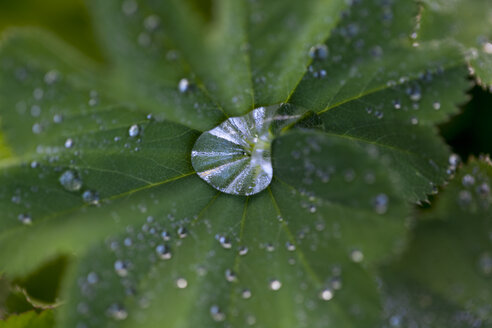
(69, 19)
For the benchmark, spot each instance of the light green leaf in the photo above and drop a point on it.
(29, 319)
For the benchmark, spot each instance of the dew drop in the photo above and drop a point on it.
(164, 252)
(454, 160)
(380, 203)
(326, 294)
(235, 157)
(165, 235)
(69, 143)
(275, 284)
(57, 118)
(121, 268)
(225, 242)
(38, 93)
(290, 246)
(184, 85)
(152, 22)
(117, 312)
(357, 256)
(468, 180)
(70, 181)
(483, 189)
(414, 93)
(246, 293)
(25, 219)
(243, 250)
(134, 130)
(181, 283)
(182, 232)
(92, 278)
(51, 77)
(318, 52)
(230, 275)
(216, 313)
(90, 197)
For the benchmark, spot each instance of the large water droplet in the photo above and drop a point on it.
(235, 157)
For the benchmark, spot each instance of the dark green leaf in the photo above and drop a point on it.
(449, 260)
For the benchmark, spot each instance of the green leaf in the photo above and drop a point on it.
(102, 160)
(280, 247)
(467, 22)
(29, 320)
(449, 260)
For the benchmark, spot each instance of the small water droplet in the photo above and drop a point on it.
(134, 130)
(290, 246)
(57, 118)
(483, 189)
(414, 93)
(454, 160)
(230, 275)
(152, 22)
(121, 268)
(275, 284)
(92, 278)
(117, 312)
(90, 197)
(25, 219)
(69, 143)
(380, 203)
(182, 232)
(246, 293)
(326, 294)
(70, 181)
(225, 242)
(51, 77)
(243, 250)
(357, 256)
(165, 235)
(38, 93)
(216, 313)
(319, 52)
(184, 85)
(468, 180)
(37, 128)
(164, 252)
(181, 283)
